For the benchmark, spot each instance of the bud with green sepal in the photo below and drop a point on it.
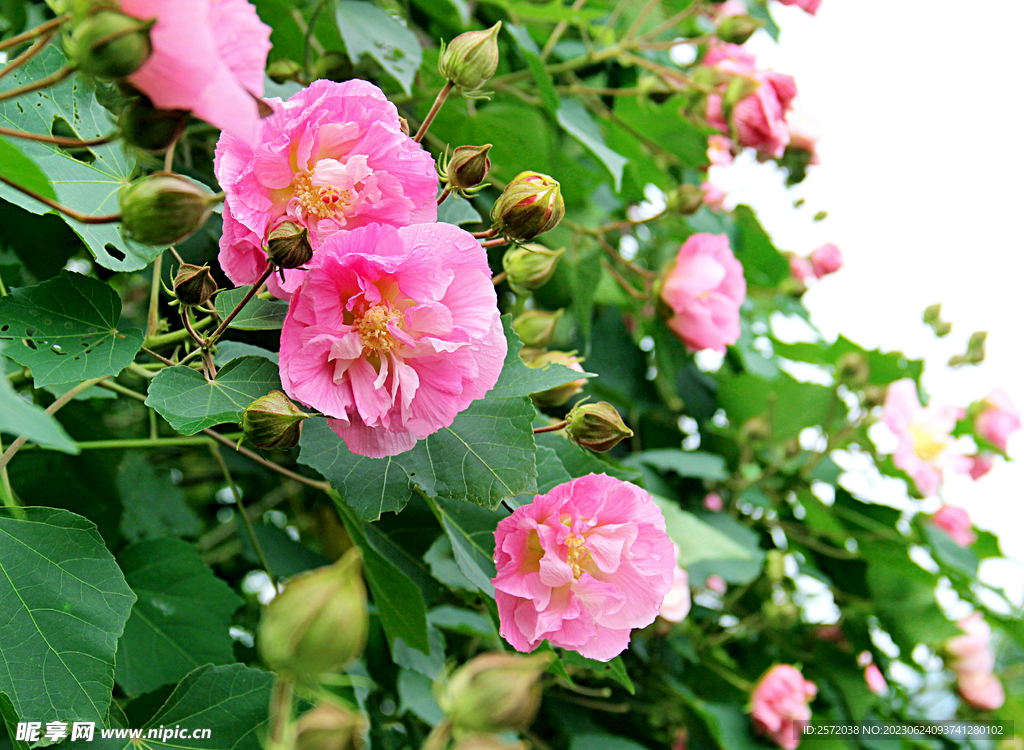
(933, 318)
(467, 169)
(596, 426)
(283, 70)
(194, 285)
(530, 266)
(109, 44)
(470, 59)
(164, 208)
(531, 205)
(975, 353)
(558, 395)
(143, 125)
(495, 692)
(318, 624)
(288, 246)
(273, 421)
(329, 726)
(738, 29)
(537, 327)
(852, 370)
(685, 199)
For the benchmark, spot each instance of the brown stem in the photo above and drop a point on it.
(51, 80)
(215, 450)
(51, 409)
(494, 243)
(499, 278)
(438, 103)
(444, 195)
(70, 212)
(159, 357)
(551, 427)
(245, 300)
(323, 486)
(484, 235)
(27, 55)
(188, 327)
(54, 23)
(631, 290)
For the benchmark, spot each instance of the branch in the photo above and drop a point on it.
(238, 308)
(438, 103)
(70, 212)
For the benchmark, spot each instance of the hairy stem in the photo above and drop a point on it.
(438, 103)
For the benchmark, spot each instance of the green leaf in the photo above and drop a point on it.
(190, 402)
(65, 330)
(153, 506)
(471, 531)
(517, 379)
(22, 419)
(399, 601)
(684, 463)
(366, 29)
(464, 621)
(431, 665)
(17, 167)
(788, 404)
(545, 84)
(949, 553)
(458, 211)
(763, 264)
(614, 669)
(441, 559)
(90, 184)
(734, 569)
(181, 617)
(578, 123)
(666, 126)
(229, 350)
(63, 603)
(697, 540)
(257, 315)
(416, 694)
(578, 462)
(230, 701)
(601, 741)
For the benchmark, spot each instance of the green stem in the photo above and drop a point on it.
(153, 317)
(733, 679)
(438, 103)
(27, 55)
(6, 491)
(281, 714)
(557, 33)
(215, 450)
(52, 24)
(551, 427)
(174, 337)
(150, 442)
(323, 486)
(51, 80)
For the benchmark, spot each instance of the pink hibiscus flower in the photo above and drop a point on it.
(334, 157)
(393, 333)
(582, 566)
(779, 704)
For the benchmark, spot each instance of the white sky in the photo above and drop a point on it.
(923, 181)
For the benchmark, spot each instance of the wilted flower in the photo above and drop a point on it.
(582, 566)
(779, 704)
(393, 333)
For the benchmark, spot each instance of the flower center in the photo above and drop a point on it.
(577, 555)
(928, 444)
(373, 328)
(320, 202)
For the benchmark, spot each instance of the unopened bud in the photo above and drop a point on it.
(471, 58)
(530, 266)
(143, 125)
(686, 199)
(537, 327)
(531, 205)
(975, 353)
(597, 426)
(109, 44)
(494, 692)
(755, 430)
(852, 369)
(942, 328)
(468, 167)
(874, 395)
(289, 247)
(318, 623)
(273, 421)
(933, 313)
(738, 29)
(560, 394)
(329, 726)
(194, 285)
(283, 70)
(164, 208)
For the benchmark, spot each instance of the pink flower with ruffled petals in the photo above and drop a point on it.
(676, 605)
(332, 158)
(826, 259)
(999, 420)
(983, 691)
(955, 522)
(719, 151)
(811, 6)
(972, 662)
(209, 56)
(760, 117)
(779, 704)
(393, 333)
(705, 289)
(925, 446)
(981, 465)
(714, 196)
(582, 566)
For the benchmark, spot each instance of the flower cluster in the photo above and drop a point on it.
(972, 662)
(779, 704)
(827, 259)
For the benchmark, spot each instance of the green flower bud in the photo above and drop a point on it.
(164, 208)
(530, 266)
(468, 167)
(494, 692)
(143, 125)
(686, 199)
(531, 205)
(194, 285)
(559, 394)
(933, 313)
(852, 369)
(283, 70)
(109, 44)
(288, 246)
(738, 29)
(471, 59)
(273, 421)
(597, 426)
(329, 726)
(537, 327)
(874, 395)
(318, 623)
(755, 430)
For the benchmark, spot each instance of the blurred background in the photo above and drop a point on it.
(923, 195)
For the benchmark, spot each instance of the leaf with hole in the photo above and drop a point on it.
(65, 330)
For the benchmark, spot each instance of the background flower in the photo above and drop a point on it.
(778, 704)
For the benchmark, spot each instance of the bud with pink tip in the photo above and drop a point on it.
(826, 259)
(531, 205)
(955, 522)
